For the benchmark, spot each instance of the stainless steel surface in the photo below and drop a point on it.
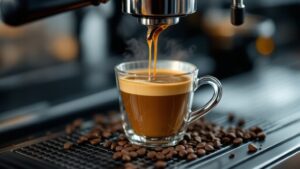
(159, 21)
(153, 12)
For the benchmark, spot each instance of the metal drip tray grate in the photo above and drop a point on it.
(89, 156)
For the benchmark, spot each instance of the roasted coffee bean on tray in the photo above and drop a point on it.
(231, 156)
(68, 145)
(202, 138)
(73, 126)
(230, 117)
(130, 166)
(252, 148)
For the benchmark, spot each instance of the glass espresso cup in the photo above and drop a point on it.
(157, 112)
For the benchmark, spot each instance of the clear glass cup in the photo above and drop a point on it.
(157, 113)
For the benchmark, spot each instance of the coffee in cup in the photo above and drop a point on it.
(156, 111)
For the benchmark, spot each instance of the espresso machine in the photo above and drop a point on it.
(148, 12)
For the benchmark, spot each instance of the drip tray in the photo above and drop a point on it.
(89, 156)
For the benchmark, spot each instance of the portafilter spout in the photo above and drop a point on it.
(157, 12)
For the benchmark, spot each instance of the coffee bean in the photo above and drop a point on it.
(82, 139)
(247, 136)
(171, 148)
(118, 148)
(191, 156)
(98, 129)
(113, 146)
(166, 151)
(211, 143)
(106, 134)
(183, 142)
(160, 156)
(203, 132)
(231, 156)
(130, 148)
(95, 141)
(107, 144)
(187, 136)
(77, 123)
(201, 145)
(239, 134)
(253, 135)
(96, 135)
(117, 155)
(238, 141)
(122, 137)
(100, 119)
(160, 164)
(256, 129)
(174, 152)
(130, 166)
(69, 129)
(182, 153)
(230, 117)
(195, 134)
(136, 146)
(169, 156)
(126, 157)
(124, 151)
(211, 136)
(198, 139)
(190, 150)
(179, 148)
(127, 145)
(133, 154)
(241, 122)
(231, 135)
(122, 143)
(201, 152)
(261, 136)
(240, 129)
(158, 149)
(252, 148)
(141, 151)
(209, 148)
(190, 128)
(230, 129)
(217, 144)
(151, 154)
(68, 145)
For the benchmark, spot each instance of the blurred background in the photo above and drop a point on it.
(72, 55)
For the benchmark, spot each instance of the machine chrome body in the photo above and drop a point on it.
(157, 12)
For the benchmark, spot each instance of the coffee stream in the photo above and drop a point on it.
(152, 40)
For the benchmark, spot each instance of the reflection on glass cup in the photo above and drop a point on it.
(157, 112)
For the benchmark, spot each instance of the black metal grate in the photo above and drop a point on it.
(88, 156)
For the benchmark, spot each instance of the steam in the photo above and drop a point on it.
(176, 51)
(137, 49)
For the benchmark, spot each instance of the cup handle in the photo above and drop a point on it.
(217, 86)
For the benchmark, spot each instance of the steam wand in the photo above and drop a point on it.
(237, 12)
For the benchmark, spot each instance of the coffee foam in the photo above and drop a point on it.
(152, 88)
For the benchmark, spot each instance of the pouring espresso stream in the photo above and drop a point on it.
(152, 40)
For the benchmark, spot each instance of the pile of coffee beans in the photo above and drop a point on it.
(202, 138)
